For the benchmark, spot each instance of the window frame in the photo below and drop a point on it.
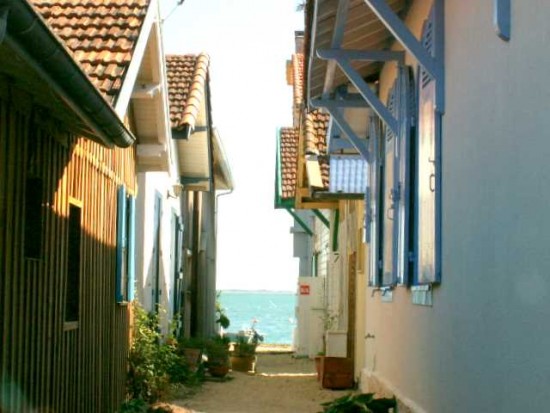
(71, 323)
(125, 247)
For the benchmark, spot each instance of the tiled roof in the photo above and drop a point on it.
(316, 125)
(101, 35)
(298, 78)
(186, 87)
(289, 152)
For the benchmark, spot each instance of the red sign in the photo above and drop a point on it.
(304, 289)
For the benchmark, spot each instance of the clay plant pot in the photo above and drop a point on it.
(243, 363)
(218, 370)
(318, 366)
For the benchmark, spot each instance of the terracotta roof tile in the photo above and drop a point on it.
(298, 78)
(101, 34)
(187, 76)
(288, 139)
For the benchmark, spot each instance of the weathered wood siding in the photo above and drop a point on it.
(42, 364)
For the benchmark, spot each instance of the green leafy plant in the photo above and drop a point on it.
(244, 348)
(360, 403)
(217, 351)
(154, 360)
(221, 316)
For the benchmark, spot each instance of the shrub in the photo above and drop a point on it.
(360, 403)
(154, 361)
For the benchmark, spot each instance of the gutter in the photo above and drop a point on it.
(29, 36)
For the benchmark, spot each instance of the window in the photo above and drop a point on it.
(33, 217)
(428, 160)
(387, 195)
(125, 249)
(72, 287)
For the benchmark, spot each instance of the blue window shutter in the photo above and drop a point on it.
(131, 247)
(405, 109)
(120, 244)
(389, 195)
(427, 170)
(372, 207)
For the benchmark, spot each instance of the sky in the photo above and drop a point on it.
(249, 42)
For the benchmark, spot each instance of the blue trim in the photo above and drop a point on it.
(502, 18)
(422, 97)
(131, 247)
(120, 243)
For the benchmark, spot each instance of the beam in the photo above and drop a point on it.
(150, 150)
(344, 126)
(322, 218)
(433, 65)
(402, 33)
(371, 98)
(347, 102)
(300, 221)
(337, 39)
(363, 55)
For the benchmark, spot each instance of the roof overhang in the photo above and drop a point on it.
(150, 112)
(345, 24)
(29, 39)
(223, 180)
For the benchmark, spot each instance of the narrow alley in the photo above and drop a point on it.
(281, 384)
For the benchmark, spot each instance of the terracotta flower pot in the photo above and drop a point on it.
(243, 363)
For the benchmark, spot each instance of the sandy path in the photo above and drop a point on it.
(281, 384)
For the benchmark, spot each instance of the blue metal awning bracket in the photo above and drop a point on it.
(502, 18)
(350, 101)
(323, 219)
(334, 109)
(433, 65)
(364, 55)
(337, 39)
(365, 91)
(300, 221)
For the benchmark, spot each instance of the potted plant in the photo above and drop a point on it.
(243, 357)
(192, 349)
(217, 352)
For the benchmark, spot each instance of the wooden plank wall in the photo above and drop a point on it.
(41, 364)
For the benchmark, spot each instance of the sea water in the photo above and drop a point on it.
(272, 313)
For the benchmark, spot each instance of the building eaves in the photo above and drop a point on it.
(33, 40)
(100, 34)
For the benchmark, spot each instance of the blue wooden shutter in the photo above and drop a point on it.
(427, 171)
(405, 109)
(120, 244)
(388, 195)
(372, 212)
(131, 247)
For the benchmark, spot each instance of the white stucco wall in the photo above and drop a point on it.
(149, 184)
(483, 345)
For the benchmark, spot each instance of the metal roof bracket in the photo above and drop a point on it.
(335, 110)
(434, 65)
(300, 221)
